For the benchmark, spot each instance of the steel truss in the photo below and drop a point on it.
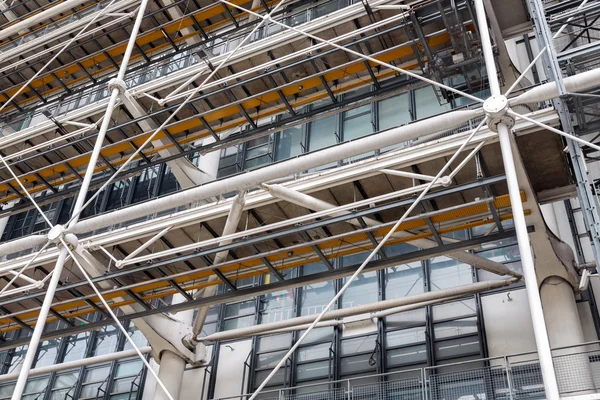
(496, 114)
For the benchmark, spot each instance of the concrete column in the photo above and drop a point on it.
(209, 162)
(172, 366)
(550, 218)
(171, 374)
(572, 366)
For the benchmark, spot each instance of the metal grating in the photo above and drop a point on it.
(331, 394)
(480, 383)
(406, 389)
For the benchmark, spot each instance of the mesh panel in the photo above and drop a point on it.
(332, 394)
(527, 379)
(480, 383)
(407, 389)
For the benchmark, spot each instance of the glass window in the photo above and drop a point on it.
(358, 345)
(47, 353)
(427, 103)
(457, 327)
(76, 347)
(448, 273)
(323, 133)
(455, 309)
(290, 143)
(458, 347)
(404, 280)
(277, 306)
(64, 385)
(315, 352)
(406, 356)
(259, 151)
(145, 185)
(357, 123)
(313, 370)
(274, 342)
(394, 111)
(93, 379)
(406, 319)
(136, 335)
(230, 161)
(106, 341)
(315, 297)
(362, 290)
(405, 337)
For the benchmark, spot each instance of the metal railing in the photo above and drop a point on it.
(513, 377)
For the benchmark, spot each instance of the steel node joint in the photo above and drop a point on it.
(118, 84)
(496, 109)
(58, 233)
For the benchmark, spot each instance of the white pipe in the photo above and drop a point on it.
(49, 297)
(39, 18)
(405, 174)
(438, 295)
(577, 83)
(25, 243)
(289, 167)
(231, 224)
(144, 246)
(83, 362)
(315, 204)
(39, 328)
(371, 316)
(531, 284)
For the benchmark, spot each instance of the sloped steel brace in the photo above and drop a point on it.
(554, 73)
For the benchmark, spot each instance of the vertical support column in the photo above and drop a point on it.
(531, 285)
(59, 231)
(572, 364)
(553, 72)
(172, 366)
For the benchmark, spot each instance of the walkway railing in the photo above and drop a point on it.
(511, 377)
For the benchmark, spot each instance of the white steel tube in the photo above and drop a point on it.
(49, 297)
(39, 328)
(38, 18)
(145, 245)
(106, 121)
(231, 224)
(289, 167)
(315, 204)
(406, 174)
(576, 83)
(415, 300)
(83, 362)
(531, 285)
